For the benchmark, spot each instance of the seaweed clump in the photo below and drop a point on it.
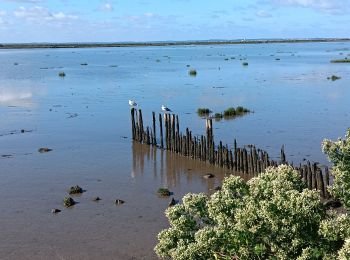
(333, 78)
(192, 72)
(68, 202)
(62, 74)
(75, 190)
(164, 192)
(346, 60)
(203, 111)
(238, 111)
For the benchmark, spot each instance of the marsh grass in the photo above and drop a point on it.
(233, 112)
(192, 72)
(333, 78)
(203, 111)
(345, 60)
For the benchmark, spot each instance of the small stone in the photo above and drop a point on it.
(68, 202)
(119, 202)
(164, 192)
(75, 190)
(208, 176)
(172, 202)
(96, 198)
(55, 211)
(22, 131)
(44, 150)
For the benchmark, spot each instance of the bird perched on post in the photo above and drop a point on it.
(166, 109)
(132, 103)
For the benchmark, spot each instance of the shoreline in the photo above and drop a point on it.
(159, 44)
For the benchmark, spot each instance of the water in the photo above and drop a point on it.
(84, 118)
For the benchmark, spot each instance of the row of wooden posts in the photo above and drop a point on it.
(246, 160)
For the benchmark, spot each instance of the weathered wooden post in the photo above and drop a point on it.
(133, 129)
(154, 142)
(161, 131)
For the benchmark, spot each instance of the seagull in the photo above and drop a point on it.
(166, 109)
(132, 103)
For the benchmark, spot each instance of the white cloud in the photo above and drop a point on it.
(39, 13)
(332, 6)
(107, 7)
(263, 14)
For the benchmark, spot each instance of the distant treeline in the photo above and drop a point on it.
(174, 43)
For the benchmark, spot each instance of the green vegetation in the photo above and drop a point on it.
(272, 216)
(192, 72)
(62, 74)
(338, 153)
(333, 78)
(203, 111)
(75, 190)
(238, 111)
(345, 60)
(218, 116)
(164, 192)
(245, 63)
(68, 202)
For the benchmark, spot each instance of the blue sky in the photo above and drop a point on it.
(155, 20)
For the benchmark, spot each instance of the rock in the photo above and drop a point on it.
(44, 150)
(164, 192)
(75, 190)
(332, 203)
(22, 131)
(172, 202)
(208, 176)
(55, 211)
(68, 202)
(96, 198)
(217, 188)
(119, 202)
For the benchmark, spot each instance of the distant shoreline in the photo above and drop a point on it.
(154, 44)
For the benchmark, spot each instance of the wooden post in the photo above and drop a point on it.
(161, 131)
(154, 142)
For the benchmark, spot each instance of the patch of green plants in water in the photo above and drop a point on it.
(238, 111)
(333, 78)
(164, 192)
(75, 190)
(245, 63)
(345, 60)
(192, 72)
(68, 202)
(203, 111)
(218, 116)
(62, 74)
(272, 216)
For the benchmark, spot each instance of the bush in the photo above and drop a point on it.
(203, 111)
(338, 153)
(272, 216)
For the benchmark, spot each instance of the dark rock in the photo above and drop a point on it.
(119, 202)
(172, 202)
(55, 211)
(68, 202)
(44, 150)
(75, 190)
(208, 176)
(96, 198)
(164, 192)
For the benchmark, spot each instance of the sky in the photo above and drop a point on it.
(28, 21)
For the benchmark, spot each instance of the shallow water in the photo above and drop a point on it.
(84, 118)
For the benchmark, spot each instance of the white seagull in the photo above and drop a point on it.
(166, 109)
(132, 103)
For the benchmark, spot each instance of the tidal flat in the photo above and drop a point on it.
(84, 119)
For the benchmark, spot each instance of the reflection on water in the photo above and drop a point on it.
(174, 170)
(14, 98)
